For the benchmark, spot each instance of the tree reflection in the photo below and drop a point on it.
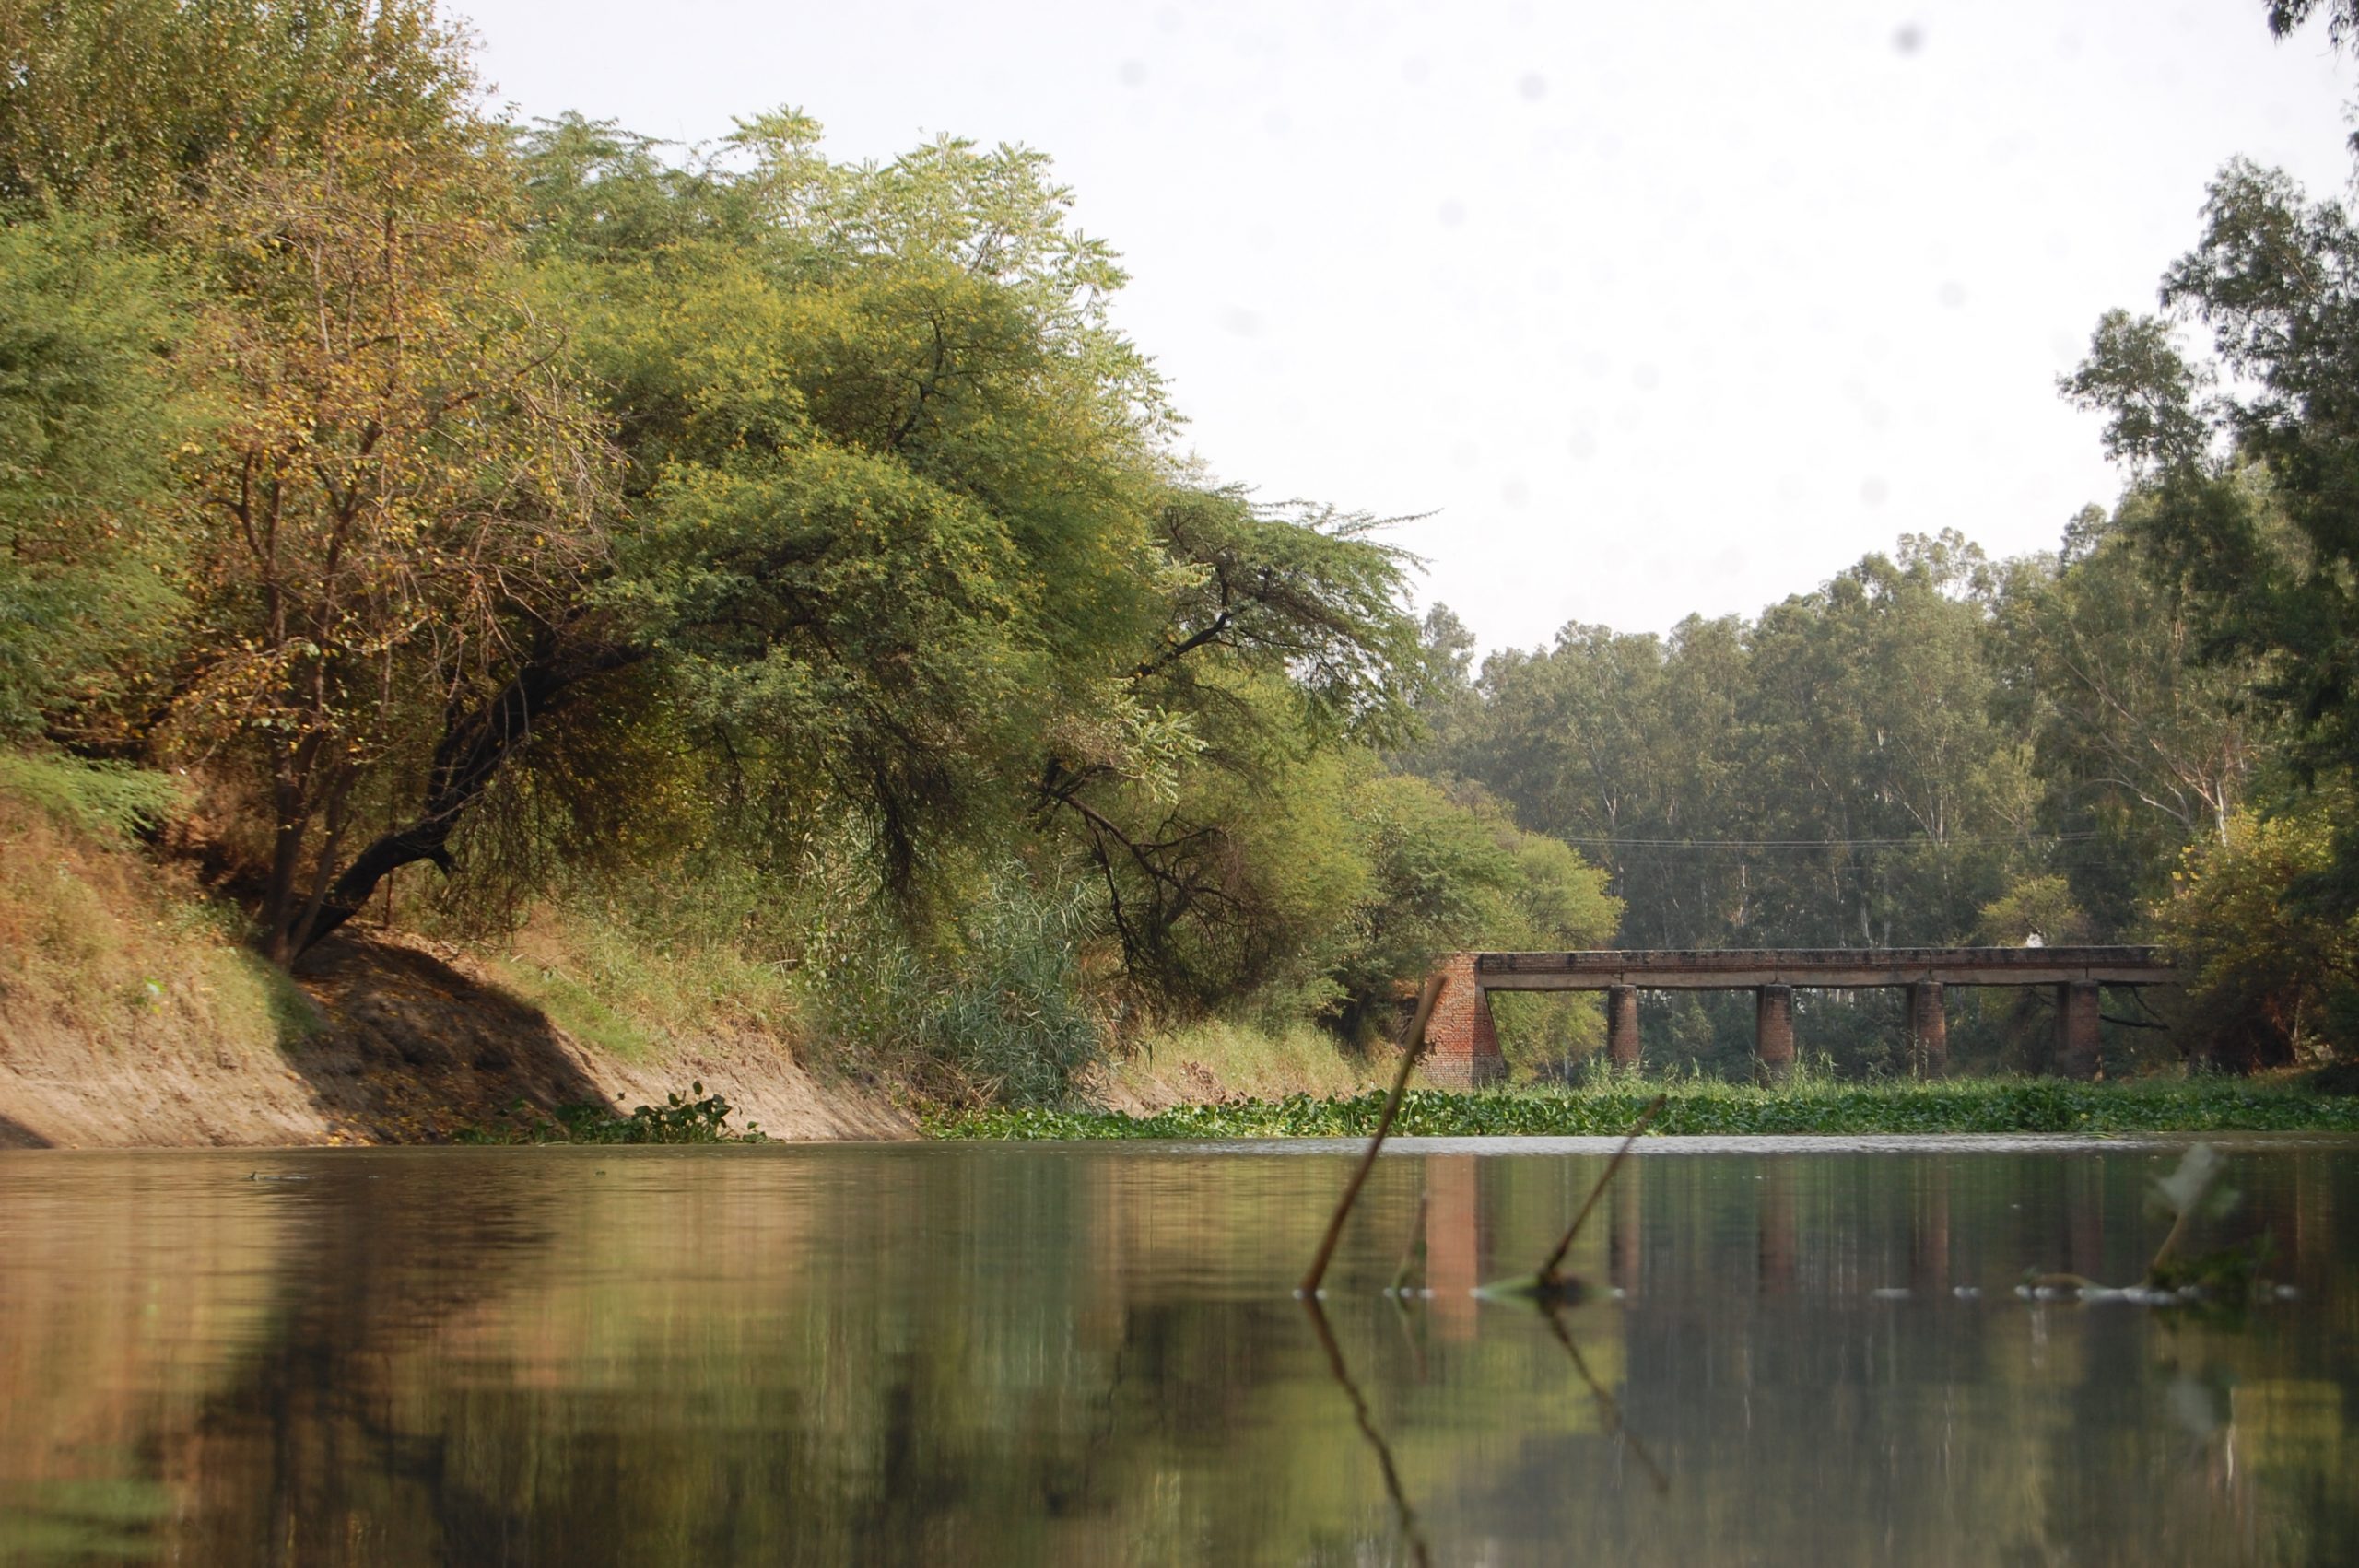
(943, 1354)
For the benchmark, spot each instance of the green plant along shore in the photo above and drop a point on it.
(724, 583)
(693, 1118)
(1986, 1105)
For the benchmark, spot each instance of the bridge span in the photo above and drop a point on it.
(1464, 1047)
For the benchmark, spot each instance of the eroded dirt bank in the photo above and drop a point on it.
(400, 1046)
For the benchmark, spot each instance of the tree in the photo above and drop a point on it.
(2141, 743)
(1876, 738)
(402, 495)
(393, 504)
(137, 108)
(2342, 17)
(90, 417)
(2249, 464)
(1212, 799)
(890, 485)
(1608, 741)
(2271, 982)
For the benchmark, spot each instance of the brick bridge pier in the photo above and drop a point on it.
(1463, 1051)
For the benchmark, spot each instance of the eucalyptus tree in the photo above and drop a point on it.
(1595, 740)
(2144, 744)
(2246, 459)
(1876, 743)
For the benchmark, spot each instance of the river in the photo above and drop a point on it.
(1084, 1354)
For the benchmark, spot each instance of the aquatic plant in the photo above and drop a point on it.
(1990, 1106)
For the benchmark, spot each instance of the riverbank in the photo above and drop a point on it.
(131, 1016)
(1969, 1105)
(382, 1041)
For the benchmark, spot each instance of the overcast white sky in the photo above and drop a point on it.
(1655, 309)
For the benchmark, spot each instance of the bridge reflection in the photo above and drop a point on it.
(1654, 1238)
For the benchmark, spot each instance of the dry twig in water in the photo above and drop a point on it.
(1411, 1049)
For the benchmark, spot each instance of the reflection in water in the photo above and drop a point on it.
(1089, 1354)
(1377, 1445)
(1607, 1406)
(1455, 1256)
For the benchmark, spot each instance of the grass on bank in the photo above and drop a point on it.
(100, 940)
(605, 982)
(1214, 1058)
(1983, 1106)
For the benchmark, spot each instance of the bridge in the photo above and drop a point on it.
(1464, 1045)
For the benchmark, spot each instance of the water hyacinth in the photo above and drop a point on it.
(1990, 1106)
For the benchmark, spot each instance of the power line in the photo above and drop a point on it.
(1962, 840)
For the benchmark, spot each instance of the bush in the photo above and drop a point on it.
(2274, 978)
(993, 1010)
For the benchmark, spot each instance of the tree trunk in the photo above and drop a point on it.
(474, 746)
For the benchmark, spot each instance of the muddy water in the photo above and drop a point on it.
(1066, 1355)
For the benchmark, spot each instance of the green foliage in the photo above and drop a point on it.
(693, 1118)
(2142, 743)
(992, 1008)
(1830, 774)
(2273, 979)
(752, 521)
(1225, 814)
(102, 798)
(1696, 1107)
(1840, 772)
(138, 105)
(567, 515)
(1439, 879)
(2249, 460)
(2038, 906)
(89, 422)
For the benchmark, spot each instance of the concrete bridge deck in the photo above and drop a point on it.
(1464, 1046)
(1667, 969)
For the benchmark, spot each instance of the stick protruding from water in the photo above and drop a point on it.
(1548, 1270)
(1550, 1284)
(1411, 1047)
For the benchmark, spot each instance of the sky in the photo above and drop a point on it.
(1631, 312)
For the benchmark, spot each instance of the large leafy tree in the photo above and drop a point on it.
(887, 512)
(140, 107)
(2270, 980)
(402, 503)
(1624, 744)
(395, 501)
(899, 512)
(2248, 460)
(1876, 739)
(1279, 639)
(2142, 745)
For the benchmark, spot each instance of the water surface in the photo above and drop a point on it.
(1089, 1355)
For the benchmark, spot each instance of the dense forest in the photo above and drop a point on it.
(790, 558)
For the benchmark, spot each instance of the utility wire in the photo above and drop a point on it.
(1961, 840)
